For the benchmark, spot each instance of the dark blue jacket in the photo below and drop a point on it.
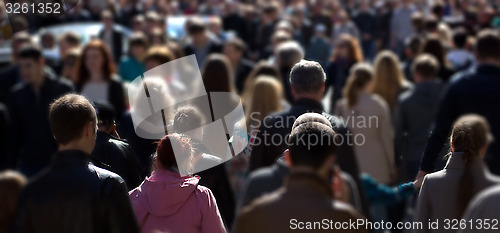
(474, 92)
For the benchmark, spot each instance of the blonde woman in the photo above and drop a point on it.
(389, 80)
(265, 98)
(367, 115)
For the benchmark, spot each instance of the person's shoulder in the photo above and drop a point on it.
(105, 175)
(345, 209)
(264, 202)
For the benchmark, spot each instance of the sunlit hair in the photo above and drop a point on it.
(388, 79)
(470, 134)
(265, 99)
(355, 53)
(360, 75)
(174, 152)
(11, 184)
(82, 73)
(262, 68)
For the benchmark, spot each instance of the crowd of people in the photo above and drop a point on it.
(401, 96)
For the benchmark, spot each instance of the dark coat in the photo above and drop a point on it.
(9, 76)
(304, 197)
(474, 92)
(244, 68)
(117, 44)
(337, 73)
(4, 122)
(73, 195)
(31, 141)
(119, 156)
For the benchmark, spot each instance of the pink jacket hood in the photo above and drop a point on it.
(155, 187)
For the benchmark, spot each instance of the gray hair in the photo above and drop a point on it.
(289, 53)
(307, 77)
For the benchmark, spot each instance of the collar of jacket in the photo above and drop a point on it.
(456, 162)
(72, 157)
(310, 104)
(307, 183)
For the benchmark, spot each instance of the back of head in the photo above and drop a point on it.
(488, 45)
(289, 53)
(470, 134)
(105, 113)
(195, 25)
(311, 141)
(307, 77)
(460, 38)
(360, 75)
(11, 184)
(68, 116)
(187, 118)
(389, 78)
(30, 51)
(413, 44)
(217, 74)
(434, 46)
(265, 98)
(426, 66)
(174, 152)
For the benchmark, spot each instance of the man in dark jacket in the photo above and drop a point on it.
(416, 109)
(9, 75)
(307, 195)
(73, 195)
(115, 152)
(234, 50)
(31, 143)
(201, 44)
(477, 92)
(110, 36)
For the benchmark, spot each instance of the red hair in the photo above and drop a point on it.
(82, 74)
(167, 148)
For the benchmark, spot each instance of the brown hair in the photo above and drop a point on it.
(11, 184)
(71, 38)
(82, 74)
(360, 75)
(262, 68)
(433, 45)
(426, 65)
(469, 135)
(217, 74)
(388, 79)
(161, 54)
(265, 98)
(68, 116)
(355, 53)
(488, 45)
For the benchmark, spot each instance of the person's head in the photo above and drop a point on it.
(262, 68)
(18, 40)
(437, 9)
(412, 46)
(217, 74)
(417, 21)
(31, 63)
(312, 144)
(174, 152)
(138, 45)
(488, 47)
(431, 24)
(234, 49)
(11, 184)
(69, 64)
(460, 38)
(189, 120)
(470, 137)
(425, 67)
(138, 23)
(307, 80)
(157, 55)
(433, 45)
(73, 121)
(359, 80)
(347, 48)
(279, 37)
(288, 54)
(96, 59)
(264, 99)
(215, 25)
(105, 117)
(47, 39)
(270, 11)
(196, 29)
(67, 41)
(157, 36)
(151, 20)
(389, 78)
(107, 19)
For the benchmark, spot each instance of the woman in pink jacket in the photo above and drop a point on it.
(169, 202)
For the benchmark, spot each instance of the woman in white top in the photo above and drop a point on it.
(368, 117)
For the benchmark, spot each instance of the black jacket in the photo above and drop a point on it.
(4, 122)
(216, 179)
(72, 195)
(30, 134)
(244, 68)
(117, 43)
(474, 92)
(119, 156)
(9, 76)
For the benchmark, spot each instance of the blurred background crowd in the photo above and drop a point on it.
(416, 65)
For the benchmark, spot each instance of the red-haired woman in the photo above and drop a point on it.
(169, 202)
(96, 77)
(346, 53)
